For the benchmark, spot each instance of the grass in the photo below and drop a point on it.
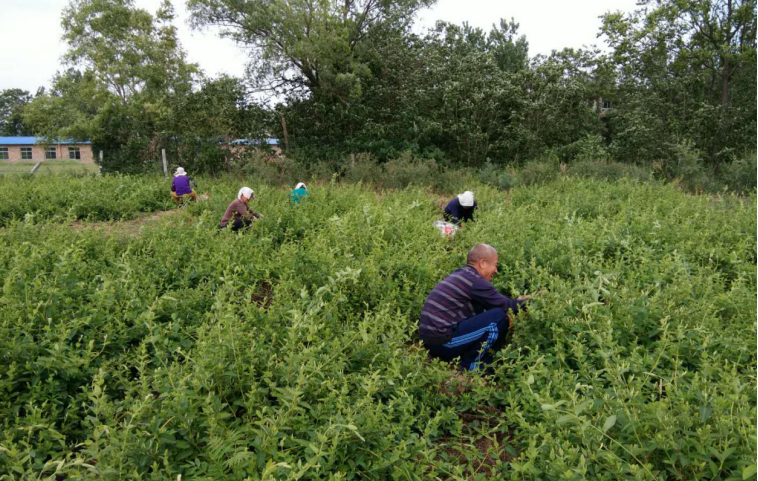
(49, 167)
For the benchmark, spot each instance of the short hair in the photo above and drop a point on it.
(479, 252)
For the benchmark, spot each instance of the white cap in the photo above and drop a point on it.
(180, 171)
(466, 199)
(300, 184)
(247, 192)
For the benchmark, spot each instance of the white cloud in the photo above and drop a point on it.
(31, 33)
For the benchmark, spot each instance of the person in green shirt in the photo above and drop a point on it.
(299, 193)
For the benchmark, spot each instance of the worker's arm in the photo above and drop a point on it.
(486, 295)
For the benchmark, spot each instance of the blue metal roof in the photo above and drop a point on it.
(253, 142)
(37, 141)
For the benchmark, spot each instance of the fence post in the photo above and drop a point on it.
(101, 161)
(34, 169)
(165, 165)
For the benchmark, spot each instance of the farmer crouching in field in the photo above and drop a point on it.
(180, 186)
(465, 316)
(237, 213)
(461, 208)
(299, 193)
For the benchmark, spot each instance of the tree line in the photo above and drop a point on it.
(332, 78)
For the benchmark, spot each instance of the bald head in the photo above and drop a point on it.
(480, 252)
(483, 258)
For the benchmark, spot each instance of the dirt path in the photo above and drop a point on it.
(130, 227)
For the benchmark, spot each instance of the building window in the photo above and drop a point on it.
(3, 153)
(50, 153)
(74, 153)
(606, 104)
(26, 153)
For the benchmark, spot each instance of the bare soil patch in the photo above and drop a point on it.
(264, 296)
(485, 442)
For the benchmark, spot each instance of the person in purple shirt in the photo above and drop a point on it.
(461, 208)
(180, 186)
(465, 317)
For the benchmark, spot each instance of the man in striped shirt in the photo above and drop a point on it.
(465, 316)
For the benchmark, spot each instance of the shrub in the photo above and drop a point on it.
(540, 171)
(362, 168)
(610, 171)
(589, 148)
(740, 175)
(495, 176)
(406, 170)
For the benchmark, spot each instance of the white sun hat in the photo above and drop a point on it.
(180, 171)
(247, 192)
(466, 199)
(300, 184)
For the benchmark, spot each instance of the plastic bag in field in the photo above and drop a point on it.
(446, 228)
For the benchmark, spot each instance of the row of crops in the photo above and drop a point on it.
(290, 351)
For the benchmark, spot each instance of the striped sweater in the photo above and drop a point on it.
(462, 295)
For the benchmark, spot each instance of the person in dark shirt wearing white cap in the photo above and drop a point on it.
(461, 208)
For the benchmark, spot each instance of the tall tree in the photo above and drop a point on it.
(680, 61)
(125, 68)
(129, 51)
(12, 103)
(302, 46)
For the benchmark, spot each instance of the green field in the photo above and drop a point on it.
(49, 167)
(290, 351)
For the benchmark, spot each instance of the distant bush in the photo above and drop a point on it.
(740, 175)
(603, 170)
(684, 167)
(589, 148)
(495, 176)
(362, 167)
(540, 171)
(406, 170)
(451, 181)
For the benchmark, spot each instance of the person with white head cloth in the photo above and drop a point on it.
(461, 208)
(238, 214)
(299, 193)
(180, 186)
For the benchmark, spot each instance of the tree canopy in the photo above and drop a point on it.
(332, 78)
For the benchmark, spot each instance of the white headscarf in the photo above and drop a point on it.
(179, 171)
(300, 184)
(247, 192)
(466, 199)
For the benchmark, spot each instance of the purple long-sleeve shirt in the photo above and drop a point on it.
(462, 295)
(181, 185)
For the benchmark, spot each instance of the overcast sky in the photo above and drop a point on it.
(32, 48)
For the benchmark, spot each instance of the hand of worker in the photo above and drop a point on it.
(532, 296)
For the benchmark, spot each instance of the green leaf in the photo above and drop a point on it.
(749, 471)
(609, 422)
(566, 418)
(705, 412)
(580, 408)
